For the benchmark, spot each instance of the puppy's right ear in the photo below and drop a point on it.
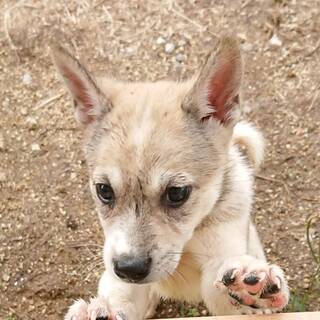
(215, 94)
(90, 103)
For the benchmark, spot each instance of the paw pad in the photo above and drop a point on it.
(229, 277)
(270, 289)
(251, 279)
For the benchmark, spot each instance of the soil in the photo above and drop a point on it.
(50, 238)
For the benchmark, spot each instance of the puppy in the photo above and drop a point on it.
(173, 191)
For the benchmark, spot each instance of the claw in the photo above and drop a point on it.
(120, 316)
(235, 297)
(93, 315)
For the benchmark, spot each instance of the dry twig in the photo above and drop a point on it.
(276, 181)
(45, 102)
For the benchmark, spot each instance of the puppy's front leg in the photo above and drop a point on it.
(116, 300)
(244, 285)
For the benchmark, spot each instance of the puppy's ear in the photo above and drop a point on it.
(215, 94)
(90, 103)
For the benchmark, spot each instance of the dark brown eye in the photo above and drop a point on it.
(105, 193)
(177, 196)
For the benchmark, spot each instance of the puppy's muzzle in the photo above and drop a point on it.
(130, 268)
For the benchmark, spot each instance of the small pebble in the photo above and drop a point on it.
(73, 175)
(204, 312)
(35, 147)
(246, 47)
(1, 141)
(160, 41)
(5, 277)
(2, 176)
(242, 36)
(180, 57)
(129, 50)
(24, 111)
(6, 103)
(182, 43)
(169, 47)
(32, 122)
(26, 79)
(275, 41)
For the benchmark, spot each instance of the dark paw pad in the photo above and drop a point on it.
(269, 290)
(228, 278)
(251, 279)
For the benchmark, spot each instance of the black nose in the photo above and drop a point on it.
(132, 268)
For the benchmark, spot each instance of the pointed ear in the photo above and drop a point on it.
(215, 93)
(90, 103)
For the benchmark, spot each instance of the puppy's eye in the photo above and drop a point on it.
(105, 193)
(177, 196)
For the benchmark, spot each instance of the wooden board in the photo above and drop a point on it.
(277, 316)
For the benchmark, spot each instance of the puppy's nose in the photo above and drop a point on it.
(132, 268)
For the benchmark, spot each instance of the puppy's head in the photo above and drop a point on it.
(156, 154)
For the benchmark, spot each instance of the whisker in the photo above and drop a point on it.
(96, 266)
(190, 253)
(79, 244)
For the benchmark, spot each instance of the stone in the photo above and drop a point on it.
(5, 277)
(3, 177)
(160, 41)
(26, 79)
(180, 57)
(35, 147)
(2, 145)
(275, 41)
(169, 47)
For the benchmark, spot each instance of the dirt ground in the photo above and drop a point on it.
(50, 238)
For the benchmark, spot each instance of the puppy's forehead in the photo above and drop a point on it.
(141, 105)
(145, 134)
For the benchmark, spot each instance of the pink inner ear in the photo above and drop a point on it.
(220, 93)
(80, 93)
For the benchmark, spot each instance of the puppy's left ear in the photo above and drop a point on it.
(215, 94)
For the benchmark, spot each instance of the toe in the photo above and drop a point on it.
(254, 282)
(269, 290)
(275, 294)
(78, 311)
(229, 277)
(251, 279)
(97, 309)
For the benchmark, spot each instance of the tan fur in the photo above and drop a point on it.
(182, 284)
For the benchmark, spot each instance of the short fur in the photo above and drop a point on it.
(143, 137)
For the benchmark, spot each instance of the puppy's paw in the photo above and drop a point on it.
(97, 309)
(253, 285)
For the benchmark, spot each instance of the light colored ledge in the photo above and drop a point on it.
(277, 316)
